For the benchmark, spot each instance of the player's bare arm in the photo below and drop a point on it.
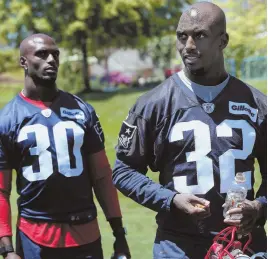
(5, 215)
(106, 194)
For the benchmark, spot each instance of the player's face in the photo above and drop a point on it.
(197, 44)
(43, 59)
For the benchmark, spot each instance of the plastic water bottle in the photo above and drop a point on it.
(236, 195)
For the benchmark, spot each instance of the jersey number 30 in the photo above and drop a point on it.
(61, 147)
(204, 165)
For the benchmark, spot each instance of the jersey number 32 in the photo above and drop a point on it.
(204, 164)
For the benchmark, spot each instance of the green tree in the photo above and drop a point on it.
(19, 18)
(161, 46)
(88, 25)
(246, 25)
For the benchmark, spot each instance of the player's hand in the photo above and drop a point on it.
(250, 212)
(121, 247)
(12, 256)
(192, 205)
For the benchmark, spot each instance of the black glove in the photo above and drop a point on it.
(120, 245)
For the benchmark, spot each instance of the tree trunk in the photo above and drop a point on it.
(85, 63)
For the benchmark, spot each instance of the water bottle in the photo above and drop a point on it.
(236, 195)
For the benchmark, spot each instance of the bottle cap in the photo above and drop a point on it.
(240, 177)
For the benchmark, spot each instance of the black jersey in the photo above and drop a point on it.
(197, 147)
(49, 149)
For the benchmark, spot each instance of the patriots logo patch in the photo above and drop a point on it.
(126, 134)
(98, 130)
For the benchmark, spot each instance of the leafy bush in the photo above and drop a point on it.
(70, 77)
(9, 60)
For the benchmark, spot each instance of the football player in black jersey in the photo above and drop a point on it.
(55, 143)
(197, 129)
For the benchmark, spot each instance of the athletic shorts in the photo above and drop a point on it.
(27, 249)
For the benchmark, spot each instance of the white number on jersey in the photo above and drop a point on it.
(61, 146)
(204, 165)
(227, 160)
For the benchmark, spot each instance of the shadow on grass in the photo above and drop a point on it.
(98, 95)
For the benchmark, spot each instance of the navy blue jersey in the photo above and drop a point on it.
(197, 147)
(49, 149)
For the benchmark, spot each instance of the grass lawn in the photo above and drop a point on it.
(112, 109)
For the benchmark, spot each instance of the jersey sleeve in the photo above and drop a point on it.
(261, 194)
(5, 152)
(261, 153)
(133, 144)
(94, 137)
(262, 158)
(5, 185)
(134, 153)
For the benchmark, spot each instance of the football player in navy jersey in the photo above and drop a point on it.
(55, 143)
(197, 129)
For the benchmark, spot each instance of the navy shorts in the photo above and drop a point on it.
(182, 247)
(27, 249)
(185, 247)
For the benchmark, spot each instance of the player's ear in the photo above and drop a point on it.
(224, 39)
(23, 63)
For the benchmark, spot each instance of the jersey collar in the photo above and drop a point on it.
(194, 97)
(38, 104)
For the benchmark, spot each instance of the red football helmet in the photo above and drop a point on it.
(226, 247)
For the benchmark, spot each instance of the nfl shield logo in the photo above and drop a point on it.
(46, 113)
(126, 134)
(208, 107)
